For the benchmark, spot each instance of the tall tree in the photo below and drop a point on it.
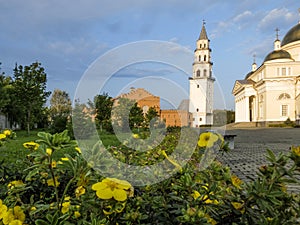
(30, 91)
(60, 110)
(127, 114)
(81, 122)
(136, 117)
(152, 116)
(103, 106)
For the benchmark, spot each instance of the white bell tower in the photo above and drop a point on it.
(202, 83)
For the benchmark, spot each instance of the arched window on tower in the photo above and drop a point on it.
(200, 45)
(204, 58)
(205, 72)
(198, 73)
(199, 58)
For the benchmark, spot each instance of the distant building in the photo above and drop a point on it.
(271, 92)
(202, 83)
(174, 117)
(144, 99)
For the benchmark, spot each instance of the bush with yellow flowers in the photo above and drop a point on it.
(6, 135)
(60, 186)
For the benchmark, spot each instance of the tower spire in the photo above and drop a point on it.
(203, 34)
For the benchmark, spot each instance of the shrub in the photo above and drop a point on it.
(59, 186)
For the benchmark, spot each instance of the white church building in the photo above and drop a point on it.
(201, 84)
(270, 93)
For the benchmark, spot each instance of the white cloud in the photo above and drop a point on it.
(276, 18)
(241, 18)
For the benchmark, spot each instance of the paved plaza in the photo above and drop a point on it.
(250, 148)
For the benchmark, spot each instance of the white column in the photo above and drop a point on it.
(247, 116)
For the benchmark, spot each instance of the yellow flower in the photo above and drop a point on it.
(31, 145)
(8, 216)
(78, 150)
(79, 191)
(178, 167)
(210, 220)
(238, 206)
(65, 159)
(195, 195)
(77, 214)
(3, 209)
(296, 151)
(2, 136)
(50, 182)
(15, 183)
(207, 139)
(33, 208)
(53, 164)
(16, 222)
(135, 136)
(209, 201)
(14, 216)
(19, 214)
(65, 207)
(236, 181)
(49, 151)
(112, 188)
(7, 132)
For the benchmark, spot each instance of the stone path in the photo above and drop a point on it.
(250, 149)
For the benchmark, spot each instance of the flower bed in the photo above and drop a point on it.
(60, 186)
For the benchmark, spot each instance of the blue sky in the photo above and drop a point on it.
(67, 37)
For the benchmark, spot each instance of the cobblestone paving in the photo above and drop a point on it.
(250, 148)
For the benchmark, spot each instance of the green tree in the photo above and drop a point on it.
(103, 106)
(151, 116)
(30, 93)
(126, 115)
(8, 101)
(60, 110)
(136, 117)
(81, 125)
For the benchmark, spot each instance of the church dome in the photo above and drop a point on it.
(292, 35)
(248, 75)
(278, 54)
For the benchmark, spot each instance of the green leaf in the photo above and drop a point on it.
(41, 222)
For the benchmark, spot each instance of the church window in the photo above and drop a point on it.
(200, 45)
(204, 72)
(198, 73)
(204, 58)
(197, 110)
(198, 86)
(283, 71)
(284, 96)
(199, 58)
(284, 110)
(204, 45)
(200, 119)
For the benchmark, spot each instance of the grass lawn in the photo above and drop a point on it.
(12, 153)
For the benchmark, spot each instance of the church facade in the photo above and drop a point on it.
(270, 93)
